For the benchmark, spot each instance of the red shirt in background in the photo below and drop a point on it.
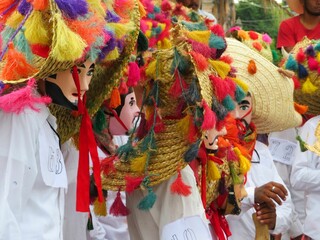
(292, 31)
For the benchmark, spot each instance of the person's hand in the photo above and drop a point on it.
(266, 215)
(270, 192)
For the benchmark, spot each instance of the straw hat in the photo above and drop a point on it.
(255, 41)
(296, 6)
(272, 93)
(304, 61)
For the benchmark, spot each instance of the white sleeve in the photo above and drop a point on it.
(305, 173)
(18, 170)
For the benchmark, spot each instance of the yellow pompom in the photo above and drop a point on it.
(69, 46)
(138, 164)
(221, 67)
(151, 69)
(199, 36)
(308, 87)
(112, 55)
(14, 20)
(95, 5)
(241, 84)
(36, 31)
(213, 171)
(243, 161)
(100, 208)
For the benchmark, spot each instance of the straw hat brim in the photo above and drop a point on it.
(105, 77)
(272, 93)
(296, 6)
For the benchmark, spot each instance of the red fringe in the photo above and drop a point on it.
(209, 118)
(178, 85)
(179, 187)
(201, 61)
(218, 30)
(40, 50)
(132, 183)
(221, 88)
(118, 208)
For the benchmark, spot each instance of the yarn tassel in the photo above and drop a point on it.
(302, 71)
(100, 208)
(39, 5)
(132, 183)
(296, 82)
(35, 30)
(220, 86)
(115, 99)
(123, 88)
(89, 223)
(308, 86)
(133, 74)
(72, 8)
(69, 45)
(213, 171)
(312, 64)
(291, 63)
(99, 121)
(178, 87)
(118, 208)
(235, 177)
(243, 161)
(179, 187)
(209, 119)
(142, 10)
(16, 66)
(221, 67)
(14, 20)
(139, 164)
(148, 201)
(192, 152)
(200, 60)
(228, 103)
(300, 57)
(96, 6)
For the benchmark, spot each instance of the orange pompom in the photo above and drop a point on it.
(252, 68)
(200, 60)
(257, 46)
(115, 99)
(16, 66)
(39, 4)
(302, 109)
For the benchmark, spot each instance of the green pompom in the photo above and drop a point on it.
(99, 122)
(148, 201)
(142, 43)
(228, 103)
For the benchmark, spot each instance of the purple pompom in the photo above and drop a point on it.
(73, 8)
(112, 17)
(24, 7)
(310, 51)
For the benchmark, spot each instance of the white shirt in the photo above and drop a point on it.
(262, 171)
(208, 15)
(32, 178)
(284, 171)
(306, 176)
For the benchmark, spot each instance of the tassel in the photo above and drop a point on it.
(179, 187)
(121, 29)
(221, 67)
(300, 57)
(68, 46)
(184, 123)
(308, 87)
(201, 48)
(99, 122)
(35, 30)
(241, 84)
(72, 8)
(89, 223)
(200, 60)
(240, 94)
(213, 171)
(123, 88)
(253, 35)
(291, 64)
(178, 87)
(209, 119)
(227, 59)
(310, 51)
(126, 150)
(151, 70)
(142, 10)
(217, 29)
(100, 208)
(302, 109)
(113, 55)
(115, 99)
(302, 72)
(266, 38)
(159, 125)
(118, 208)
(148, 143)
(193, 132)
(252, 68)
(243, 35)
(192, 152)
(235, 177)
(132, 183)
(228, 103)
(133, 74)
(148, 201)
(39, 5)
(142, 42)
(165, 6)
(123, 8)
(312, 64)
(17, 101)
(142, 129)
(199, 36)
(14, 20)
(296, 82)
(16, 66)
(257, 46)
(96, 6)
(220, 86)
(216, 42)
(23, 46)
(180, 62)
(222, 185)
(302, 144)
(243, 161)
(231, 156)
(193, 93)
(24, 7)
(138, 164)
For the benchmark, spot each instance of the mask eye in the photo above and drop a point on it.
(90, 73)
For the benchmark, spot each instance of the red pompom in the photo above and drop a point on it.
(209, 118)
(300, 57)
(179, 187)
(133, 74)
(253, 35)
(118, 208)
(132, 183)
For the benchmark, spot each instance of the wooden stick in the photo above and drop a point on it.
(262, 231)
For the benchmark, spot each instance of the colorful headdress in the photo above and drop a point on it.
(304, 60)
(272, 93)
(254, 40)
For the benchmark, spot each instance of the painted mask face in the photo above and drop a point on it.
(211, 138)
(64, 81)
(243, 111)
(128, 115)
(237, 193)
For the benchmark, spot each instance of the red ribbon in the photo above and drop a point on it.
(87, 145)
(219, 223)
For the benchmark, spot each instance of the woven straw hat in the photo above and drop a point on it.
(296, 6)
(272, 93)
(304, 61)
